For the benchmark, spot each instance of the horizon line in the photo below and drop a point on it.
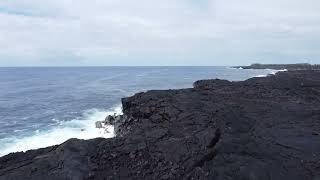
(116, 66)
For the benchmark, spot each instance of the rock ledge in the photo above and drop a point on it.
(258, 129)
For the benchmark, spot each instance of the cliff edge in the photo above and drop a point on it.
(258, 129)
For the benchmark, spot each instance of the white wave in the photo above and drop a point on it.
(262, 75)
(81, 128)
(271, 72)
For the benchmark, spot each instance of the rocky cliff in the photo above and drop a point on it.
(258, 129)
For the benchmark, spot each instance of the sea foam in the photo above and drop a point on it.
(81, 128)
(271, 72)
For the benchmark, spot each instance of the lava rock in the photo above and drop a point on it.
(98, 124)
(261, 128)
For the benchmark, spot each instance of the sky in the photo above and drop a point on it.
(158, 33)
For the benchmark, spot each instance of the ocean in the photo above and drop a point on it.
(44, 106)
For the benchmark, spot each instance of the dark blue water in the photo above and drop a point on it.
(45, 106)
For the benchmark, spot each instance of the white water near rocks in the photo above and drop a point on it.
(82, 128)
(41, 107)
(271, 72)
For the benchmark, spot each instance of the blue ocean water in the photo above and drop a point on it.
(43, 106)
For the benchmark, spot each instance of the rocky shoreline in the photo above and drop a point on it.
(290, 67)
(258, 129)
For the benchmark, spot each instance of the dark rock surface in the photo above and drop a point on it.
(290, 67)
(259, 129)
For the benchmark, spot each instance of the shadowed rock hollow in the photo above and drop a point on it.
(258, 129)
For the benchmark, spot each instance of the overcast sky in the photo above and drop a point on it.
(162, 32)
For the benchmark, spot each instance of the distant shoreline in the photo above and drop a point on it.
(289, 67)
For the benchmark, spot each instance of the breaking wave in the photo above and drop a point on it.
(271, 72)
(82, 128)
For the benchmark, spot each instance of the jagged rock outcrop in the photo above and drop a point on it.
(258, 129)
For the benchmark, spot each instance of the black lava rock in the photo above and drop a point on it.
(258, 129)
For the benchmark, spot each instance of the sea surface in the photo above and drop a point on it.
(44, 106)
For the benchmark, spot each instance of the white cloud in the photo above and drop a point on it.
(102, 32)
